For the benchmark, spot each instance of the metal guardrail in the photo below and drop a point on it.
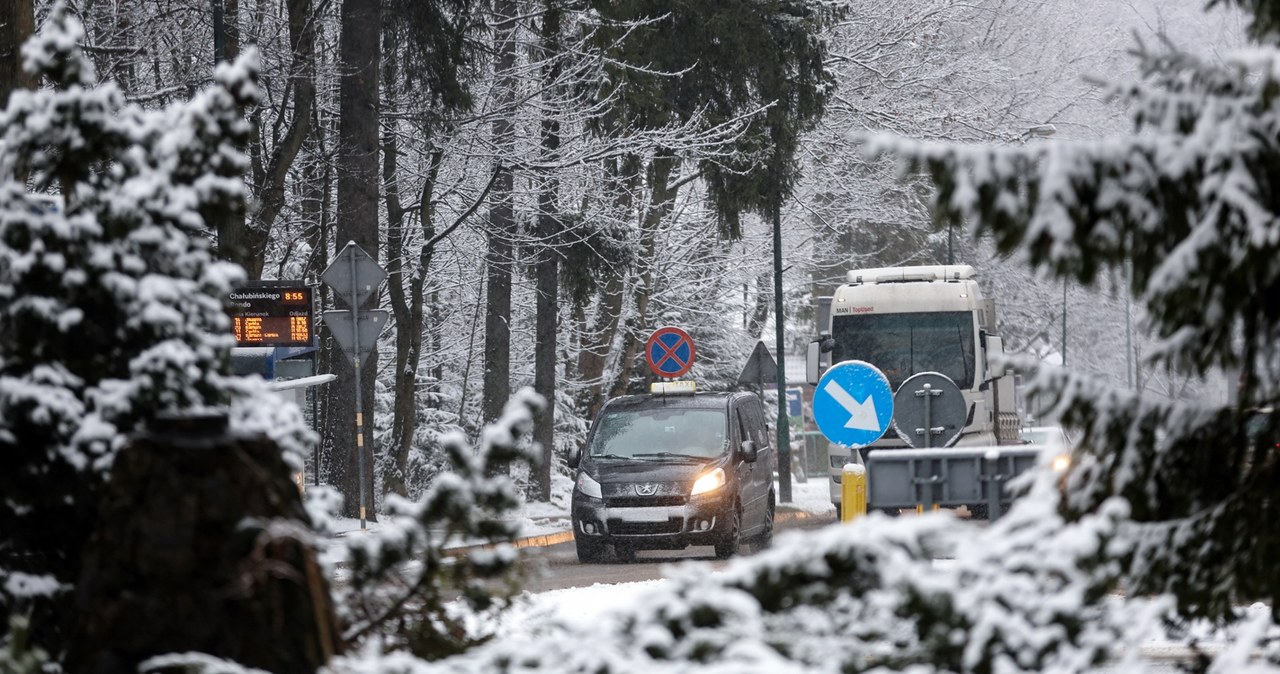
(949, 478)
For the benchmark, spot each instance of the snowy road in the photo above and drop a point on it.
(558, 566)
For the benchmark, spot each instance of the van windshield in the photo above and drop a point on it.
(901, 345)
(650, 433)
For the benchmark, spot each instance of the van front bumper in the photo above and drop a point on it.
(665, 524)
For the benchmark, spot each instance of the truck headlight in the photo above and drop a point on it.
(588, 486)
(709, 482)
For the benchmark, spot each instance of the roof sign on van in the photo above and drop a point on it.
(673, 388)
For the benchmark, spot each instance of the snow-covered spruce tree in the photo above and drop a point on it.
(111, 301)
(1191, 203)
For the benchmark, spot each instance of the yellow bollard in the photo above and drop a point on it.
(853, 492)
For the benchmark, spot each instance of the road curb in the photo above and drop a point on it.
(558, 537)
(801, 515)
(539, 541)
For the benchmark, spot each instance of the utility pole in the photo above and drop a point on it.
(219, 34)
(784, 425)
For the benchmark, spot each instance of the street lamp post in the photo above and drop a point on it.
(1044, 131)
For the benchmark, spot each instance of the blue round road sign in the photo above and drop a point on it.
(669, 352)
(853, 404)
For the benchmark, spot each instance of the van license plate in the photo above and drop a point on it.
(640, 514)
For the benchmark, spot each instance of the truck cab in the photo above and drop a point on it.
(909, 320)
(670, 470)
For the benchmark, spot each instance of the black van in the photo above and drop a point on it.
(664, 471)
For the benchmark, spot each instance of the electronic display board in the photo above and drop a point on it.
(275, 314)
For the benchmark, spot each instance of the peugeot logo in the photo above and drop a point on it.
(646, 489)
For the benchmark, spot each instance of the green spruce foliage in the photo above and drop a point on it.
(719, 63)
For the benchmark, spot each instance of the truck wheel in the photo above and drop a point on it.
(728, 546)
(589, 552)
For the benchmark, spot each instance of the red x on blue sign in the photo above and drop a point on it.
(669, 352)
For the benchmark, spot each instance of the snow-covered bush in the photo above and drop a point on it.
(399, 582)
(111, 299)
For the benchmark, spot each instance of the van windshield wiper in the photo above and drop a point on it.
(616, 457)
(674, 455)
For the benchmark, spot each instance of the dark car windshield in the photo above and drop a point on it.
(659, 433)
(901, 345)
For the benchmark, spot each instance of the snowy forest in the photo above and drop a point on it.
(546, 183)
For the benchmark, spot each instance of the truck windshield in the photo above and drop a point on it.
(647, 433)
(901, 345)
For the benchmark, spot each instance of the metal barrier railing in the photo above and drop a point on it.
(926, 479)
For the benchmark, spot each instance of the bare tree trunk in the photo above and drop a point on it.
(17, 23)
(408, 305)
(245, 241)
(498, 260)
(408, 334)
(548, 271)
(432, 320)
(313, 208)
(316, 208)
(358, 176)
(595, 351)
(604, 327)
(761, 308)
(661, 201)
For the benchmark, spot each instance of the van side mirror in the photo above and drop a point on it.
(574, 458)
(749, 451)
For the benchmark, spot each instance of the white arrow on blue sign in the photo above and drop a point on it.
(853, 404)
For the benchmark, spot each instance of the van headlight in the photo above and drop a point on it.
(588, 486)
(709, 482)
(1061, 463)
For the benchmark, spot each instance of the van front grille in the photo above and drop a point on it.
(621, 528)
(643, 501)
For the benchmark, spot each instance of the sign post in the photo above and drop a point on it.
(355, 274)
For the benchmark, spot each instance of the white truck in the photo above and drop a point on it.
(908, 320)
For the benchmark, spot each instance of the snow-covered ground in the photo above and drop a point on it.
(600, 606)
